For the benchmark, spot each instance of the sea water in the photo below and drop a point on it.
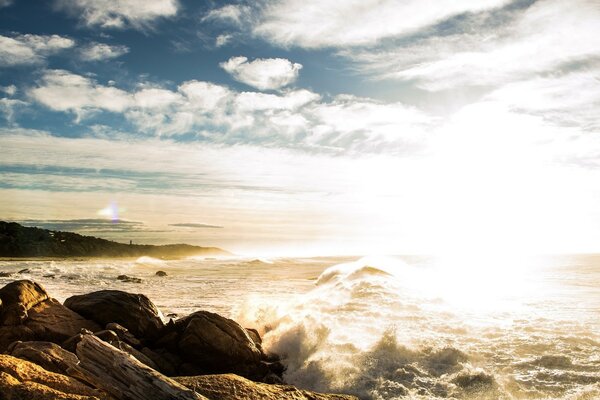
(464, 327)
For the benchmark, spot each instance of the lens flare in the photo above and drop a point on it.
(111, 211)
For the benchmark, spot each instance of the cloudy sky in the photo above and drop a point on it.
(371, 126)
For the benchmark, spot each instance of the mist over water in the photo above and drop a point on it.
(386, 328)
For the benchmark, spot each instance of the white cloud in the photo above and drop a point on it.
(230, 13)
(5, 3)
(545, 36)
(222, 40)
(254, 101)
(62, 90)
(572, 99)
(102, 51)
(205, 95)
(31, 49)
(8, 107)
(331, 23)
(119, 13)
(10, 90)
(262, 73)
(293, 118)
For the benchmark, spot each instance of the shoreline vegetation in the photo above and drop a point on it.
(114, 345)
(21, 242)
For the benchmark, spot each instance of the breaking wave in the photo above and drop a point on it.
(368, 329)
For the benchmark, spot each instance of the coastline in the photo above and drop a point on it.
(79, 343)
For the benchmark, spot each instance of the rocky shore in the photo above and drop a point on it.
(115, 345)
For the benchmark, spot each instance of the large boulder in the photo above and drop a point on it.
(28, 313)
(52, 321)
(21, 379)
(133, 311)
(214, 344)
(17, 298)
(233, 387)
(47, 355)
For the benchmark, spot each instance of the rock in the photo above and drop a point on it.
(17, 298)
(216, 344)
(161, 273)
(233, 387)
(133, 311)
(253, 333)
(128, 279)
(5, 274)
(24, 271)
(47, 355)
(10, 334)
(124, 377)
(52, 321)
(165, 362)
(124, 334)
(21, 379)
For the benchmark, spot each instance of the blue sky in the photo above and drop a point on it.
(305, 126)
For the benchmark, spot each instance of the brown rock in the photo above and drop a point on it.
(124, 334)
(24, 292)
(51, 321)
(233, 387)
(10, 334)
(21, 379)
(17, 298)
(216, 344)
(47, 355)
(133, 311)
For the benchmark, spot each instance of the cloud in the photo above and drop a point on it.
(530, 41)
(194, 225)
(119, 14)
(61, 90)
(102, 51)
(223, 39)
(85, 225)
(330, 23)
(570, 99)
(262, 73)
(231, 13)
(10, 90)
(207, 111)
(8, 108)
(5, 3)
(31, 49)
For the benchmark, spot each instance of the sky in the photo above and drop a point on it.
(305, 127)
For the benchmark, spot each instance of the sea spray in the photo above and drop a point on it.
(373, 329)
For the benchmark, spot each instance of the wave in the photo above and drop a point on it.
(364, 329)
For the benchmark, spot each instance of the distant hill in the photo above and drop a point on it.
(20, 241)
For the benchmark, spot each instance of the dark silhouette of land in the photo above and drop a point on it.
(20, 242)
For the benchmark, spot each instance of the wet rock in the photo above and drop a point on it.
(478, 383)
(128, 279)
(47, 355)
(4, 274)
(161, 273)
(233, 387)
(133, 311)
(21, 379)
(253, 333)
(24, 271)
(216, 344)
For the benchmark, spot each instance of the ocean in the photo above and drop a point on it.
(407, 327)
